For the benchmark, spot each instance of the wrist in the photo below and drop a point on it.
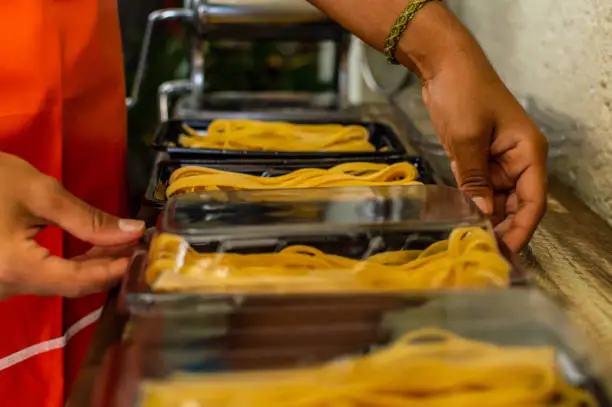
(434, 38)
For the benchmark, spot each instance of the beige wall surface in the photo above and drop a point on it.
(560, 51)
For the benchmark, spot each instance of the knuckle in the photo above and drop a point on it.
(88, 281)
(537, 151)
(77, 289)
(74, 288)
(473, 180)
(468, 134)
(74, 292)
(468, 142)
(97, 219)
(7, 275)
(49, 186)
(46, 193)
(466, 137)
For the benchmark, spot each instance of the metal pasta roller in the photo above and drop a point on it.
(251, 21)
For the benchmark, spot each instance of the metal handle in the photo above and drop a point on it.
(185, 15)
(232, 11)
(374, 86)
(166, 91)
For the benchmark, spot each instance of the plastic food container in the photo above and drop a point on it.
(345, 225)
(268, 342)
(155, 195)
(381, 136)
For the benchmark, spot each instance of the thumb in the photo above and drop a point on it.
(470, 165)
(61, 208)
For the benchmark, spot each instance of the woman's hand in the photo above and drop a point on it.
(497, 154)
(29, 202)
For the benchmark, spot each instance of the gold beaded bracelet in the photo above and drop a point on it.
(400, 25)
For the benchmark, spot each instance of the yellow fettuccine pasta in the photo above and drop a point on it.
(189, 179)
(250, 135)
(468, 259)
(427, 368)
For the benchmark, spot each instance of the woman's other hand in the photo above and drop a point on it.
(498, 154)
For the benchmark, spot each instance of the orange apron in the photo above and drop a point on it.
(62, 108)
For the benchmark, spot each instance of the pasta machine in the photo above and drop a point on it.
(248, 20)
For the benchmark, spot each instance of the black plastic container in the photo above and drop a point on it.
(155, 194)
(381, 136)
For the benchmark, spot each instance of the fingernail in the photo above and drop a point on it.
(130, 225)
(482, 204)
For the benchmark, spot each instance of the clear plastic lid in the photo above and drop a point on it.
(473, 347)
(334, 240)
(219, 215)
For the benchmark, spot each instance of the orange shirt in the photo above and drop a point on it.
(62, 108)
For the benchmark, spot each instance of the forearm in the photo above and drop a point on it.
(434, 36)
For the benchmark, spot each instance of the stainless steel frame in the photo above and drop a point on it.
(185, 15)
(168, 91)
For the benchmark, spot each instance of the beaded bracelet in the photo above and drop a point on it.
(400, 25)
